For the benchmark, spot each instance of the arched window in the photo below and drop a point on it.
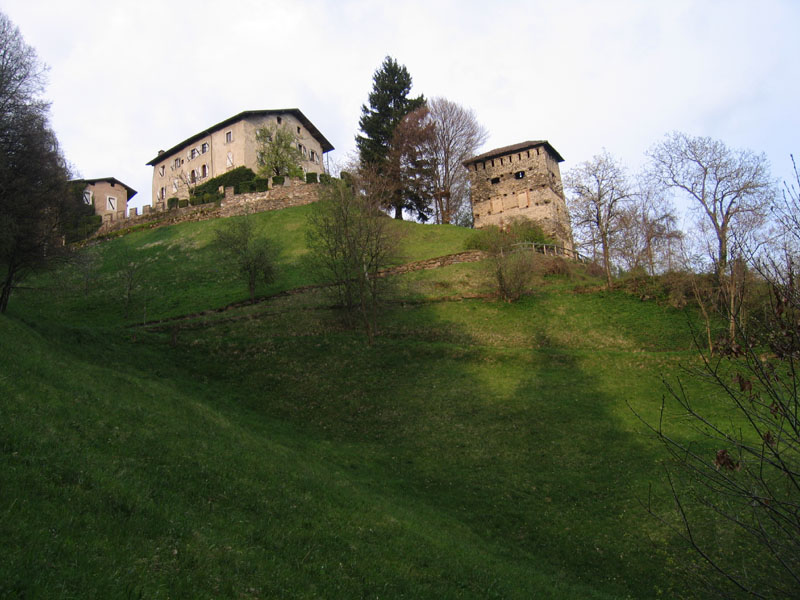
(193, 176)
(204, 171)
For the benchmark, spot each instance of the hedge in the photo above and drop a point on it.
(230, 179)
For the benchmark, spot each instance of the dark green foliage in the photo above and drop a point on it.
(82, 222)
(311, 178)
(183, 203)
(388, 104)
(230, 179)
(324, 178)
(278, 180)
(260, 184)
(172, 203)
(36, 202)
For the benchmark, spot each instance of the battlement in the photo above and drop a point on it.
(521, 180)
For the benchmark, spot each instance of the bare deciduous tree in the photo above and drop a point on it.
(600, 192)
(457, 135)
(132, 271)
(737, 491)
(731, 188)
(409, 167)
(350, 242)
(248, 249)
(647, 230)
(743, 479)
(786, 210)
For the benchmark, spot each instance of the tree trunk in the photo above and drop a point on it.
(398, 212)
(722, 261)
(8, 285)
(606, 259)
(251, 285)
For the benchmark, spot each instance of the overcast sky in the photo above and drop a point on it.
(129, 78)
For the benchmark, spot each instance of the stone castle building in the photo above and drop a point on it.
(108, 195)
(227, 145)
(522, 180)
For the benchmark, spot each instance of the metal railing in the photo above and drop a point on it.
(552, 250)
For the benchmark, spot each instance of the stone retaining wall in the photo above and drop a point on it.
(292, 194)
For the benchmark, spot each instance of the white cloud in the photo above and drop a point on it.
(129, 79)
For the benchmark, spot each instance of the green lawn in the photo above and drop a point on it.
(479, 450)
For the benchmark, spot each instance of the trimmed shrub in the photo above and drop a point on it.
(183, 203)
(261, 184)
(324, 178)
(172, 203)
(243, 187)
(278, 180)
(231, 178)
(311, 178)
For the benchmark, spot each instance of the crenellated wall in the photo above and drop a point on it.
(294, 193)
(522, 180)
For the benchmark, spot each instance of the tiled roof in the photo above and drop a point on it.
(326, 145)
(497, 152)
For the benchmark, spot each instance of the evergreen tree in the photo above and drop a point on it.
(388, 104)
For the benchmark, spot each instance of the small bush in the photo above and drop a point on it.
(278, 180)
(517, 231)
(557, 266)
(183, 203)
(311, 178)
(172, 203)
(513, 273)
(594, 269)
(324, 178)
(244, 187)
(260, 184)
(525, 230)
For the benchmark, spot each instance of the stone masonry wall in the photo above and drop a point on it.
(295, 193)
(520, 184)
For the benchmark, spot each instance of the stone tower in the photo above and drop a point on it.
(522, 180)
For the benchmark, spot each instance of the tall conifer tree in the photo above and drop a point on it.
(388, 104)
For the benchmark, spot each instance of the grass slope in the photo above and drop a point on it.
(479, 450)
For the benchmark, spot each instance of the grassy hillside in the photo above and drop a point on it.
(478, 450)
